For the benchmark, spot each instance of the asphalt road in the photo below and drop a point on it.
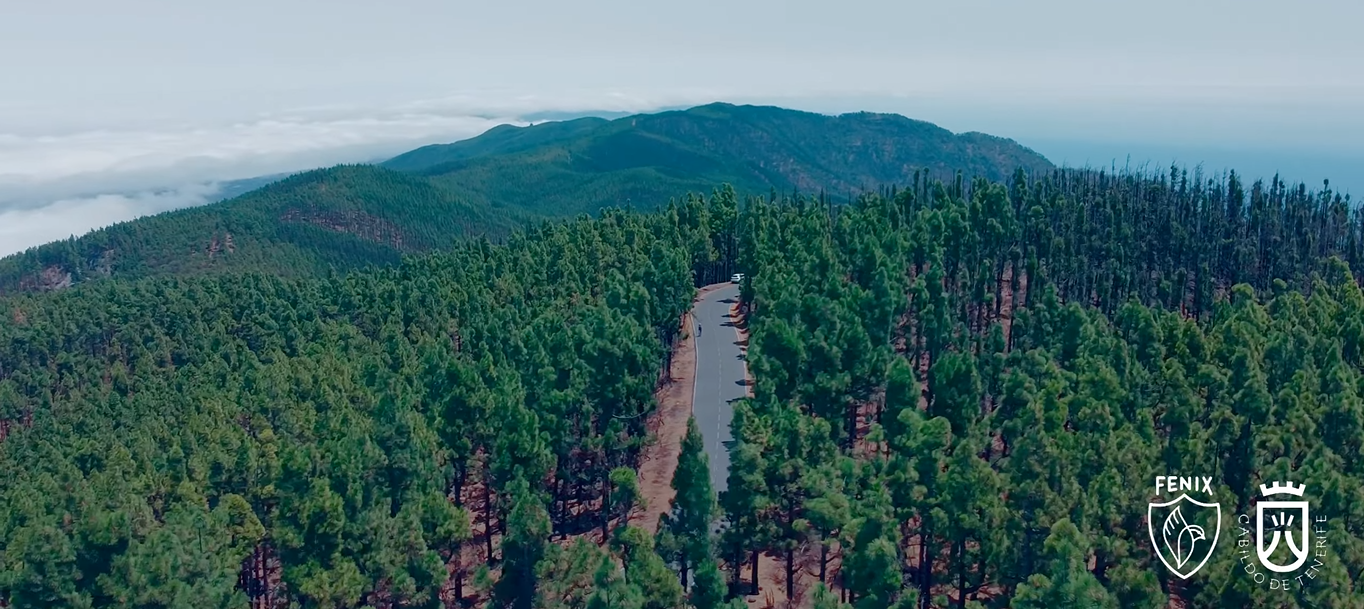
(719, 377)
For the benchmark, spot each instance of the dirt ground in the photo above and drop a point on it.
(771, 571)
(657, 464)
(659, 460)
(741, 326)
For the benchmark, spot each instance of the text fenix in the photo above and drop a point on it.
(1179, 483)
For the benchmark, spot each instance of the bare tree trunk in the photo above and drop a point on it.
(738, 564)
(790, 573)
(960, 551)
(605, 507)
(488, 514)
(755, 572)
(925, 569)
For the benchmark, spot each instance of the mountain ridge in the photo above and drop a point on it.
(349, 216)
(756, 148)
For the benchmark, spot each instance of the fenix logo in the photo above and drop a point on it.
(1184, 531)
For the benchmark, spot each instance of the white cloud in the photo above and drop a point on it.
(57, 185)
(36, 168)
(57, 181)
(21, 229)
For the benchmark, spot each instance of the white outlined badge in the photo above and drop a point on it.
(1281, 515)
(1177, 536)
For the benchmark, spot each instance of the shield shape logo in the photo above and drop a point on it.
(1184, 532)
(1281, 515)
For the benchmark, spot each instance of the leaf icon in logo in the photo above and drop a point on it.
(1180, 537)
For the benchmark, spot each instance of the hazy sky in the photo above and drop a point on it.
(115, 108)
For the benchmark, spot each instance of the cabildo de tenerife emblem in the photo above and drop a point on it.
(1282, 545)
(1184, 530)
(1289, 541)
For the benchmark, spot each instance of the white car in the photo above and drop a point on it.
(736, 278)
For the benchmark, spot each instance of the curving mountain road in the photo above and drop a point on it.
(720, 376)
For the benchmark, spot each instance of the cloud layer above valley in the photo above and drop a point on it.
(52, 187)
(63, 183)
(110, 110)
(22, 228)
(56, 186)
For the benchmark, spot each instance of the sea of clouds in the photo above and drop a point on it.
(54, 186)
(62, 181)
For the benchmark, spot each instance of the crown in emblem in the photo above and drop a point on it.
(1283, 489)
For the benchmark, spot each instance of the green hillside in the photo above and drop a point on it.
(351, 216)
(585, 164)
(960, 397)
(501, 139)
(341, 217)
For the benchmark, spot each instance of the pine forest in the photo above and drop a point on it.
(961, 391)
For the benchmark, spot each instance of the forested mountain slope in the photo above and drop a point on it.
(247, 438)
(582, 165)
(352, 216)
(498, 140)
(962, 393)
(338, 218)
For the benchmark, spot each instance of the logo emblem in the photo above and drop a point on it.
(1184, 532)
(1282, 516)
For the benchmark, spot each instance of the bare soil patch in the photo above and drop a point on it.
(659, 459)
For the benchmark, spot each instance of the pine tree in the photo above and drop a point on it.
(611, 591)
(872, 564)
(746, 500)
(684, 537)
(1064, 580)
(645, 570)
(708, 589)
(566, 575)
(523, 547)
(625, 494)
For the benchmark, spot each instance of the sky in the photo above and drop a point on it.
(112, 110)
